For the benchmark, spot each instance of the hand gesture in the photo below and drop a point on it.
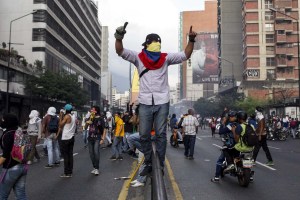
(192, 35)
(120, 32)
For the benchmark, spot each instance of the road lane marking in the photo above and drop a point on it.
(266, 166)
(274, 147)
(178, 195)
(199, 138)
(124, 191)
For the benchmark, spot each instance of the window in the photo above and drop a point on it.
(269, 27)
(281, 32)
(40, 16)
(38, 34)
(289, 70)
(268, 4)
(270, 50)
(269, 15)
(271, 74)
(269, 38)
(270, 62)
(40, 1)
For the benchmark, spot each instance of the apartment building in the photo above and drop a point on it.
(64, 35)
(270, 49)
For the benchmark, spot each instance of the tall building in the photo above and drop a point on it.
(64, 35)
(230, 44)
(270, 54)
(199, 75)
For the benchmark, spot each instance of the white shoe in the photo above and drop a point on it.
(93, 171)
(29, 162)
(96, 172)
(134, 182)
(138, 184)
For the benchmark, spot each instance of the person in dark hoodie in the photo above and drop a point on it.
(152, 66)
(13, 174)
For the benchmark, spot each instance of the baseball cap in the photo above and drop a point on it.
(150, 38)
(68, 107)
(232, 113)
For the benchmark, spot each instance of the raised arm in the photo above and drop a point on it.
(119, 35)
(190, 46)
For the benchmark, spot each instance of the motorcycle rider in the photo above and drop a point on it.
(238, 130)
(225, 132)
(262, 137)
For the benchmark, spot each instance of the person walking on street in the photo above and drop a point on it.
(212, 125)
(152, 66)
(34, 131)
(118, 138)
(262, 137)
(67, 126)
(13, 174)
(111, 127)
(96, 134)
(50, 127)
(190, 128)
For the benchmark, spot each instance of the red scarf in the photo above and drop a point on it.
(150, 64)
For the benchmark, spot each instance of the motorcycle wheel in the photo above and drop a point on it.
(172, 141)
(244, 178)
(282, 136)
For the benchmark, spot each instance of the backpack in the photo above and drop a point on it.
(21, 147)
(53, 124)
(249, 138)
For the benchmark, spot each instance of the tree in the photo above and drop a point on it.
(249, 104)
(3, 45)
(57, 87)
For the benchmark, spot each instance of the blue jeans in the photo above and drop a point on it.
(94, 150)
(85, 136)
(156, 115)
(117, 145)
(52, 148)
(134, 141)
(219, 164)
(125, 141)
(14, 178)
(189, 145)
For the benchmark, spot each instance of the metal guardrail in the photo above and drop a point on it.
(158, 189)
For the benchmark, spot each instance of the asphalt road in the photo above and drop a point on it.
(184, 179)
(278, 182)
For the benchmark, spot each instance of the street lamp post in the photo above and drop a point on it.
(9, 55)
(232, 74)
(298, 47)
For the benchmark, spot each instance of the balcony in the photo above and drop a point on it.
(290, 51)
(292, 62)
(280, 38)
(288, 27)
(281, 62)
(281, 50)
(283, 4)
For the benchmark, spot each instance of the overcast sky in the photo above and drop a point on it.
(144, 17)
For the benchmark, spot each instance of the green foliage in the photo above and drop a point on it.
(249, 104)
(3, 45)
(206, 107)
(24, 62)
(57, 87)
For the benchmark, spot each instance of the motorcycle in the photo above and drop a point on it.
(242, 169)
(176, 138)
(279, 135)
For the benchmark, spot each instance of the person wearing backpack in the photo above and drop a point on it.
(50, 128)
(13, 174)
(239, 130)
(97, 126)
(262, 137)
(34, 130)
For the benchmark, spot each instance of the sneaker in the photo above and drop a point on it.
(215, 179)
(49, 166)
(270, 163)
(134, 182)
(230, 167)
(109, 145)
(29, 162)
(96, 172)
(120, 158)
(66, 175)
(93, 171)
(57, 164)
(113, 158)
(146, 171)
(138, 184)
(191, 158)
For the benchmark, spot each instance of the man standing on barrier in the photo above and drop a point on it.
(152, 66)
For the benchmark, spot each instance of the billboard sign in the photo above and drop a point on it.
(204, 60)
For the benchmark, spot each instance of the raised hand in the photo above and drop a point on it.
(192, 35)
(120, 31)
